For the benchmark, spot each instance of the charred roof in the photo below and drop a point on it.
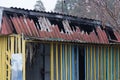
(52, 25)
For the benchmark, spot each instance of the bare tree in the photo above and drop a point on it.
(108, 13)
(39, 6)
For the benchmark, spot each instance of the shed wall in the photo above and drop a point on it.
(102, 62)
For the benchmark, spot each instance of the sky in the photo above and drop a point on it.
(28, 4)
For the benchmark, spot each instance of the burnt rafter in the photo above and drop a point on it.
(52, 15)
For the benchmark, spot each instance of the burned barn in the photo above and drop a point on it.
(51, 46)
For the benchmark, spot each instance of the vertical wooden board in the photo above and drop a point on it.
(19, 44)
(107, 63)
(16, 44)
(117, 63)
(110, 52)
(12, 44)
(61, 72)
(2, 73)
(63, 61)
(95, 71)
(52, 63)
(70, 62)
(77, 62)
(85, 58)
(73, 64)
(112, 63)
(56, 61)
(104, 63)
(3, 59)
(92, 64)
(24, 59)
(66, 65)
(97, 62)
(8, 43)
(89, 62)
(91, 71)
(0, 60)
(59, 61)
(9, 68)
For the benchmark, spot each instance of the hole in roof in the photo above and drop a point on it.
(58, 23)
(111, 35)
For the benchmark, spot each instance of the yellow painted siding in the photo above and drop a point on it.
(101, 62)
(9, 45)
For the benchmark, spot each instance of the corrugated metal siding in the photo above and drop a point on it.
(102, 62)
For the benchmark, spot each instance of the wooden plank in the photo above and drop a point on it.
(108, 62)
(19, 44)
(95, 63)
(24, 58)
(104, 63)
(91, 71)
(66, 61)
(70, 63)
(73, 64)
(118, 63)
(77, 62)
(87, 64)
(63, 54)
(61, 62)
(115, 64)
(57, 61)
(0, 59)
(52, 63)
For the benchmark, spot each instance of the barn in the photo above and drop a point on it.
(38, 45)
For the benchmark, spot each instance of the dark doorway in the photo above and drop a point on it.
(38, 61)
(81, 64)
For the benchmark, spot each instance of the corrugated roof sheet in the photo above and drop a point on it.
(50, 28)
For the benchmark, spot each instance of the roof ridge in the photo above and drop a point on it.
(52, 12)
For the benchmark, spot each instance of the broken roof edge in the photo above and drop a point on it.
(51, 15)
(34, 39)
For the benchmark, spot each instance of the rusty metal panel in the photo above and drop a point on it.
(42, 28)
